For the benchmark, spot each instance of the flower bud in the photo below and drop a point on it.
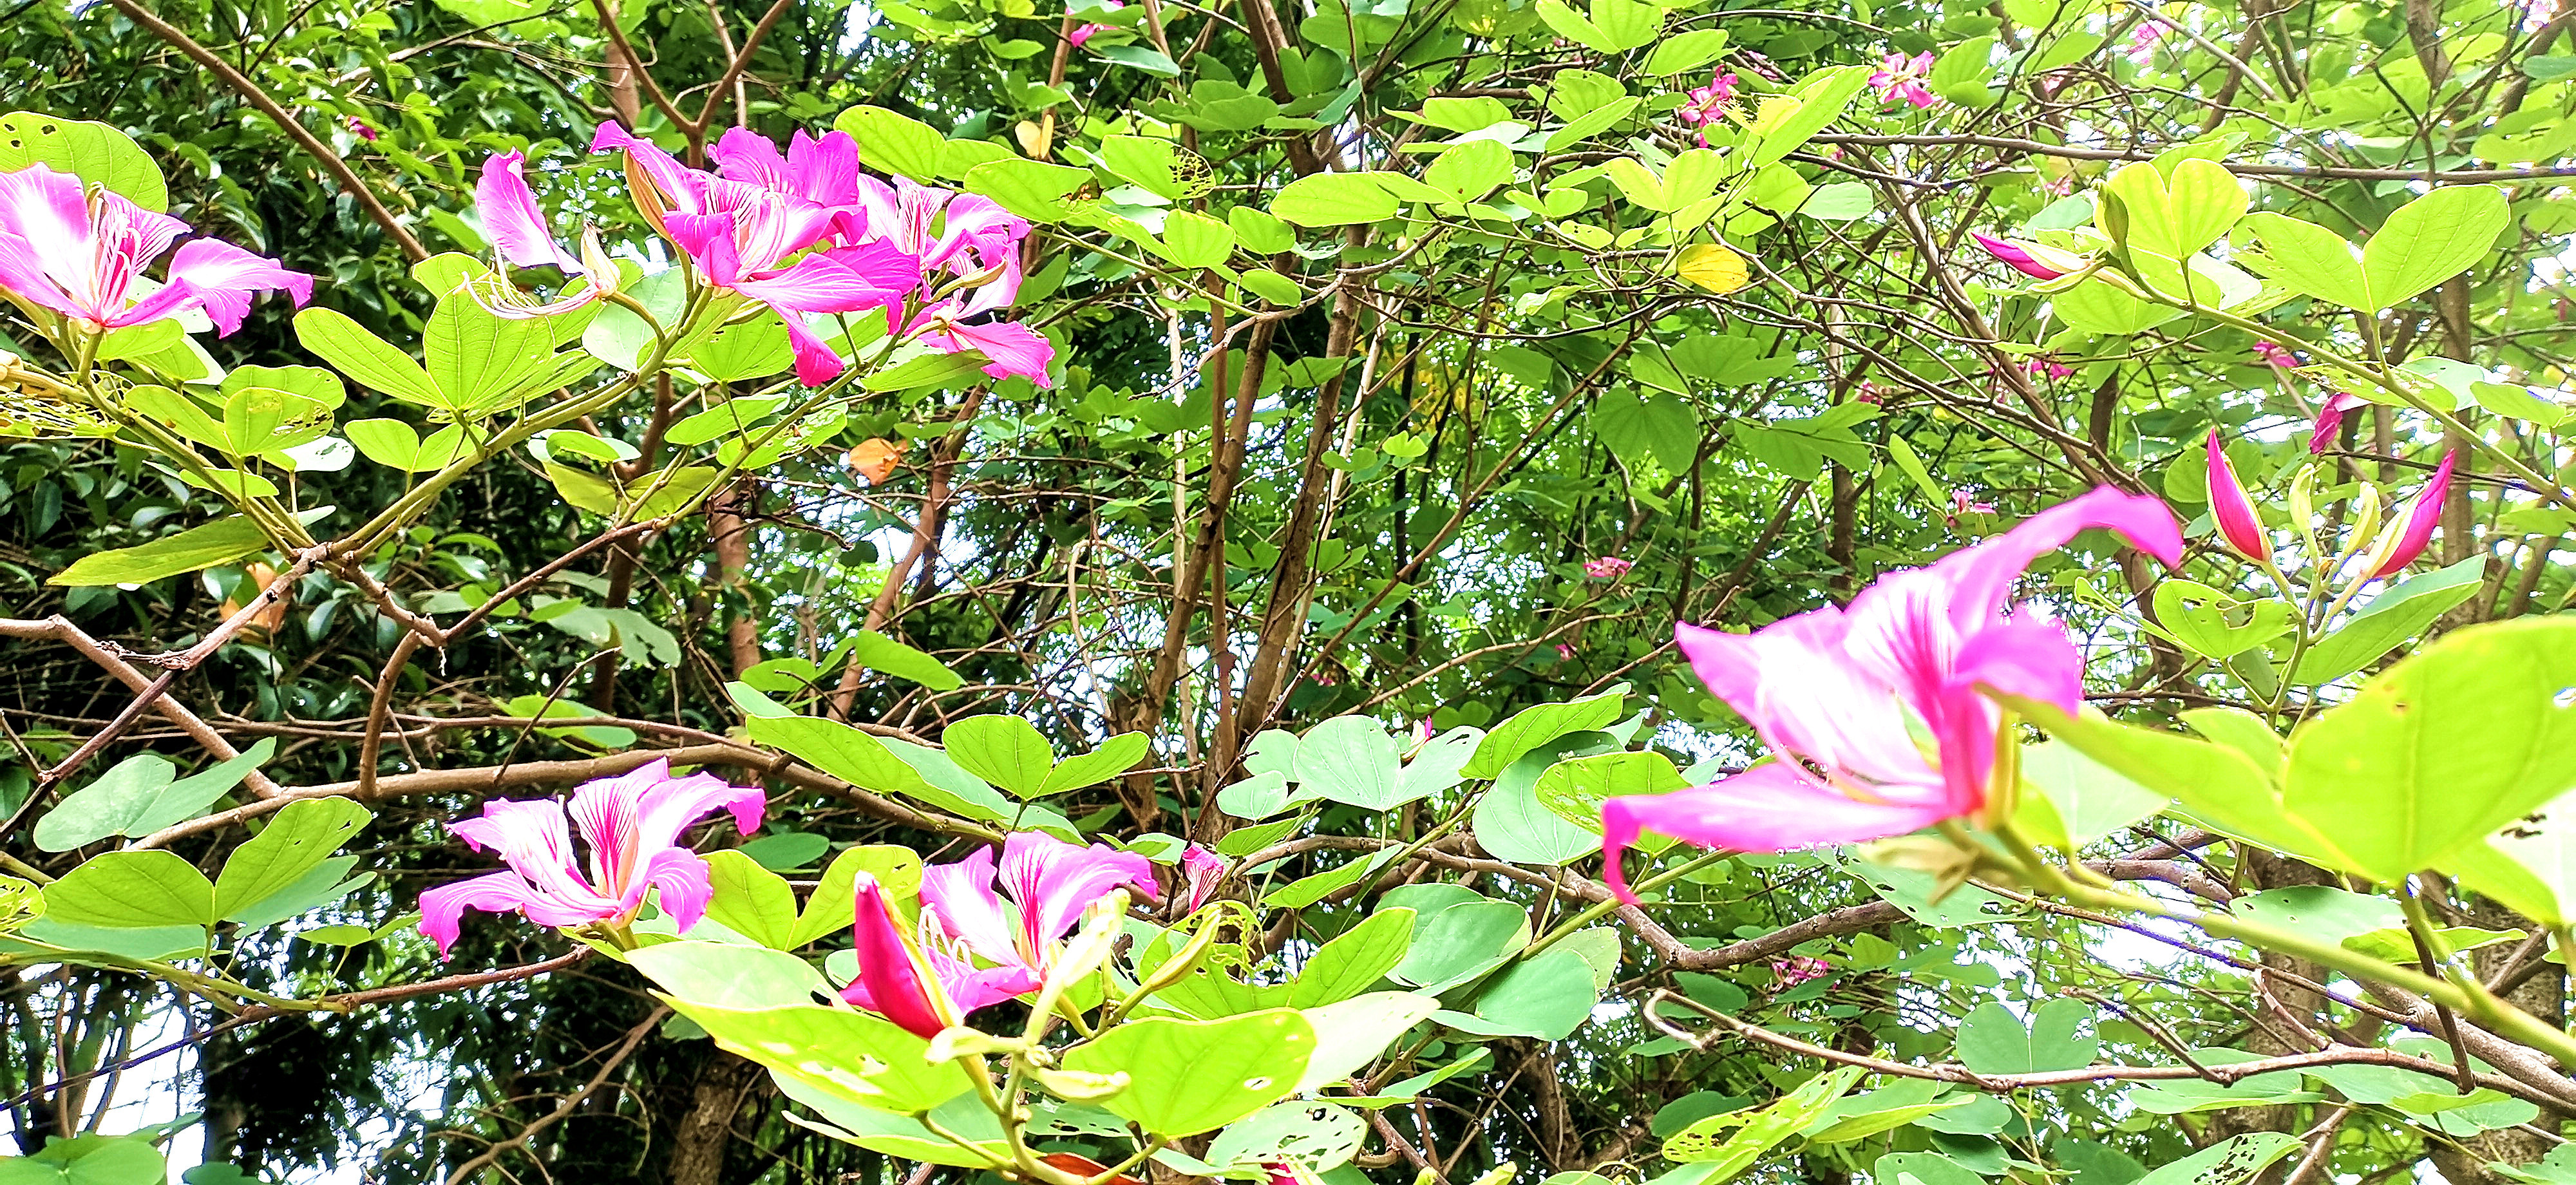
(2365, 522)
(2035, 260)
(2303, 508)
(2401, 546)
(2237, 522)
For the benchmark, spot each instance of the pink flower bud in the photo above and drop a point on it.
(1608, 567)
(2422, 515)
(2330, 419)
(2237, 522)
(2019, 257)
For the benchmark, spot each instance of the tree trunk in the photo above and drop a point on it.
(705, 1134)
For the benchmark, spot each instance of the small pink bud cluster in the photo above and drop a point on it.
(1608, 567)
(1798, 969)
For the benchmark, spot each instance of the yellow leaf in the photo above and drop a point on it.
(1714, 267)
(875, 460)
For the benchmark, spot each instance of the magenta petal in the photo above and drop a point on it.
(2422, 515)
(2019, 260)
(1009, 348)
(1054, 881)
(512, 220)
(822, 283)
(2238, 523)
(960, 896)
(442, 909)
(680, 875)
(816, 363)
(1769, 808)
(225, 277)
(890, 977)
(1982, 577)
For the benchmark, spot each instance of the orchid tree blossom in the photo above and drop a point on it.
(2400, 547)
(1837, 694)
(1706, 105)
(768, 244)
(1202, 871)
(632, 825)
(2039, 261)
(2238, 523)
(81, 254)
(1083, 32)
(926, 983)
(968, 249)
(2330, 419)
(1049, 881)
(519, 233)
(1899, 77)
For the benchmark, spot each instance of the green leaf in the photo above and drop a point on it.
(739, 350)
(373, 362)
(1349, 1034)
(1855, 1117)
(1783, 125)
(1351, 760)
(1993, 1040)
(2310, 259)
(1514, 822)
(2237, 1160)
(1841, 201)
(840, 1052)
(1471, 170)
(1158, 166)
(1115, 756)
(297, 840)
(1191, 239)
(2431, 239)
(1335, 199)
(1004, 750)
(1309, 1133)
(895, 142)
(1686, 51)
(2216, 624)
(96, 153)
(1355, 960)
(140, 796)
(2091, 799)
(839, 750)
(2217, 785)
(203, 546)
(1575, 788)
(89, 1160)
(132, 890)
(785, 850)
(2176, 216)
(1535, 726)
(1547, 996)
(833, 905)
(947, 785)
(475, 359)
(1032, 189)
(1638, 425)
(877, 652)
(1461, 941)
(394, 445)
(1964, 73)
(905, 1137)
(724, 975)
(2399, 612)
(751, 901)
(1749, 1134)
(2465, 736)
(1186, 1077)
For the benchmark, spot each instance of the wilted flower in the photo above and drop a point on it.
(2330, 419)
(874, 459)
(1840, 695)
(1901, 78)
(631, 823)
(1608, 567)
(1798, 969)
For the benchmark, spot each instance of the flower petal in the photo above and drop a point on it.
(960, 896)
(512, 220)
(1769, 808)
(224, 278)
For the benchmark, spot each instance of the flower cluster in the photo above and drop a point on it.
(632, 825)
(1707, 104)
(1608, 567)
(2241, 527)
(81, 254)
(1836, 694)
(1798, 969)
(2144, 39)
(929, 980)
(803, 232)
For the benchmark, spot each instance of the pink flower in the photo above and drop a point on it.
(1798, 969)
(632, 824)
(1050, 881)
(1869, 393)
(1837, 694)
(2143, 39)
(1082, 33)
(2330, 419)
(741, 231)
(1901, 77)
(927, 985)
(1608, 567)
(1708, 103)
(518, 231)
(2399, 548)
(1204, 871)
(1564, 651)
(2057, 186)
(363, 131)
(2273, 355)
(2043, 366)
(2238, 524)
(2035, 260)
(82, 255)
(1960, 503)
(969, 266)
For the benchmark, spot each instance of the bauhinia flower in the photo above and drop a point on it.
(2398, 548)
(1961, 502)
(1082, 33)
(1900, 77)
(1707, 104)
(2036, 260)
(968, 251)
(1798, 969)
(1049, 881)
(1608, 567)
(767, 243)
(519, 234)
(1838, 695)
(1203, 871)
(2238, 523)
(632, 824)
(2144, 39)
(926, 984)
(2044, 367)
(2330, 419)
(82, 254)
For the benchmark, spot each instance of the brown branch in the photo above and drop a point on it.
(60, 629)
(564, 1110)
